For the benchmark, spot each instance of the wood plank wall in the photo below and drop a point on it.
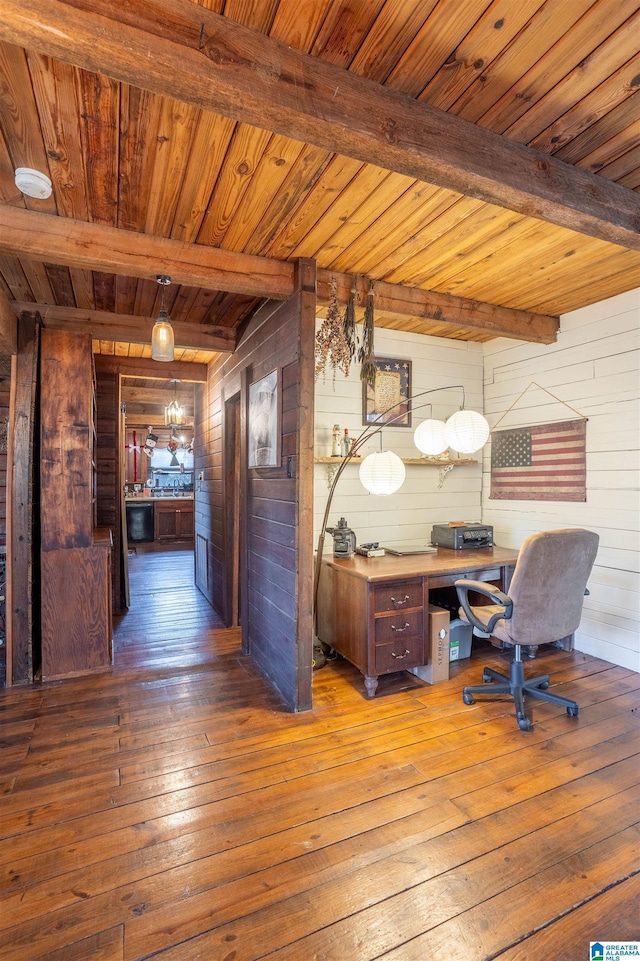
(277, 551)
(593, 367)
(108, 453)
(5, 388)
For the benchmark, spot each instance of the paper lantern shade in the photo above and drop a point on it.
(430, 437)
(466, 431)
(382, 472)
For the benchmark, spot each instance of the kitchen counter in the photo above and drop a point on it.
(159, 497)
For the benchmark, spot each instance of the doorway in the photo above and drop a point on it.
(157, 493)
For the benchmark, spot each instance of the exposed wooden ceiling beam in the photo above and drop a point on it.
(8, 327)
(79, 244)
(152, 369)
(75, 243)
(103, 325)
(179, 49)
(449, 311)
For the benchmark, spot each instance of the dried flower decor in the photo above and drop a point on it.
(350, 319)
(333, 348)
(366, 354)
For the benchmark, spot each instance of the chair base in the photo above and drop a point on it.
(517, 687)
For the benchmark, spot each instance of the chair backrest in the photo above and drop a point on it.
(548, 585)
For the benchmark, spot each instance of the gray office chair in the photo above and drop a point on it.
(544, 604)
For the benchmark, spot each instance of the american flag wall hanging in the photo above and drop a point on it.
(542, 463)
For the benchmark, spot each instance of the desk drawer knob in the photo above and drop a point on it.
(400, 602)
(400, 630)
(399, 657)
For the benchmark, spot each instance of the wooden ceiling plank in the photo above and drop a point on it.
(302, 179)
(535, 74)
(588, 289)
(495, 30)
(222, 66)
(591, 108)
(100, 113)
(243, 157)
(345, 206)
(578, 83)
(82, 284)
(414, 262)
(337, 174)
(139, 119)
(273, 167)
(171, 152)
(97, 247)
(104, 325)
(356, 227)
(125, 295)
(624, 163)
(606, 139)
(439, 36)
(419, 207)
(343, 30)
(299, 32)
(395, 27)
(38, 279)
(443, 308)
(208, 150)
(14, 277)
(20, 122)
(55, 90)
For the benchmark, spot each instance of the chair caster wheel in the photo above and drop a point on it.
(524, 724)
(572, 711)
(468, 699)
(486, 679)
(543, 687)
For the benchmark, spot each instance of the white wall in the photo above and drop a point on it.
(409, 514)
(594, 367)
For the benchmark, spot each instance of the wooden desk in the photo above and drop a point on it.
(375, 610)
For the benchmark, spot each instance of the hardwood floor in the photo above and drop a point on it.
(171, 809)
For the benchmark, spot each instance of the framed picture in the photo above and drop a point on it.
(388, 401)
(263, 422)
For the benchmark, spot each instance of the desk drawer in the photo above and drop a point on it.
(398, 628)
(448, 580)
(398, 596)
(399, 654)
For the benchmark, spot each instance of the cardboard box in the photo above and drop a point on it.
(437, 668)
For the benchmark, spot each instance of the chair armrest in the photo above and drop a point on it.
(488, 590)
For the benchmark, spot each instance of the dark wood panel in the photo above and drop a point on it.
(76, 600)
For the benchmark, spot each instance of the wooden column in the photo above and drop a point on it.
(22, 499)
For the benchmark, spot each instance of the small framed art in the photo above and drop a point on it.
(263, 421)
(388, 401)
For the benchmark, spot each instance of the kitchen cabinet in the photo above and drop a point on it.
(173, 520)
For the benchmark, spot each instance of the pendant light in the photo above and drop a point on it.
(162, 334)
(173, 412)
(466, 431)
(382, 472)
(429, 437)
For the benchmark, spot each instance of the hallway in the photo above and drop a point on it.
(169, 621)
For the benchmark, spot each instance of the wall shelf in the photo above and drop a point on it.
(444, 465)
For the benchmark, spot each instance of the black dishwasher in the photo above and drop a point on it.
(139, 522)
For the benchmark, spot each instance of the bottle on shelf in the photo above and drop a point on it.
(336, 441)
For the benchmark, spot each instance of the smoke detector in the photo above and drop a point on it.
(33, 183)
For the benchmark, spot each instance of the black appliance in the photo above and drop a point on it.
(140, 517)
(462, 536)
